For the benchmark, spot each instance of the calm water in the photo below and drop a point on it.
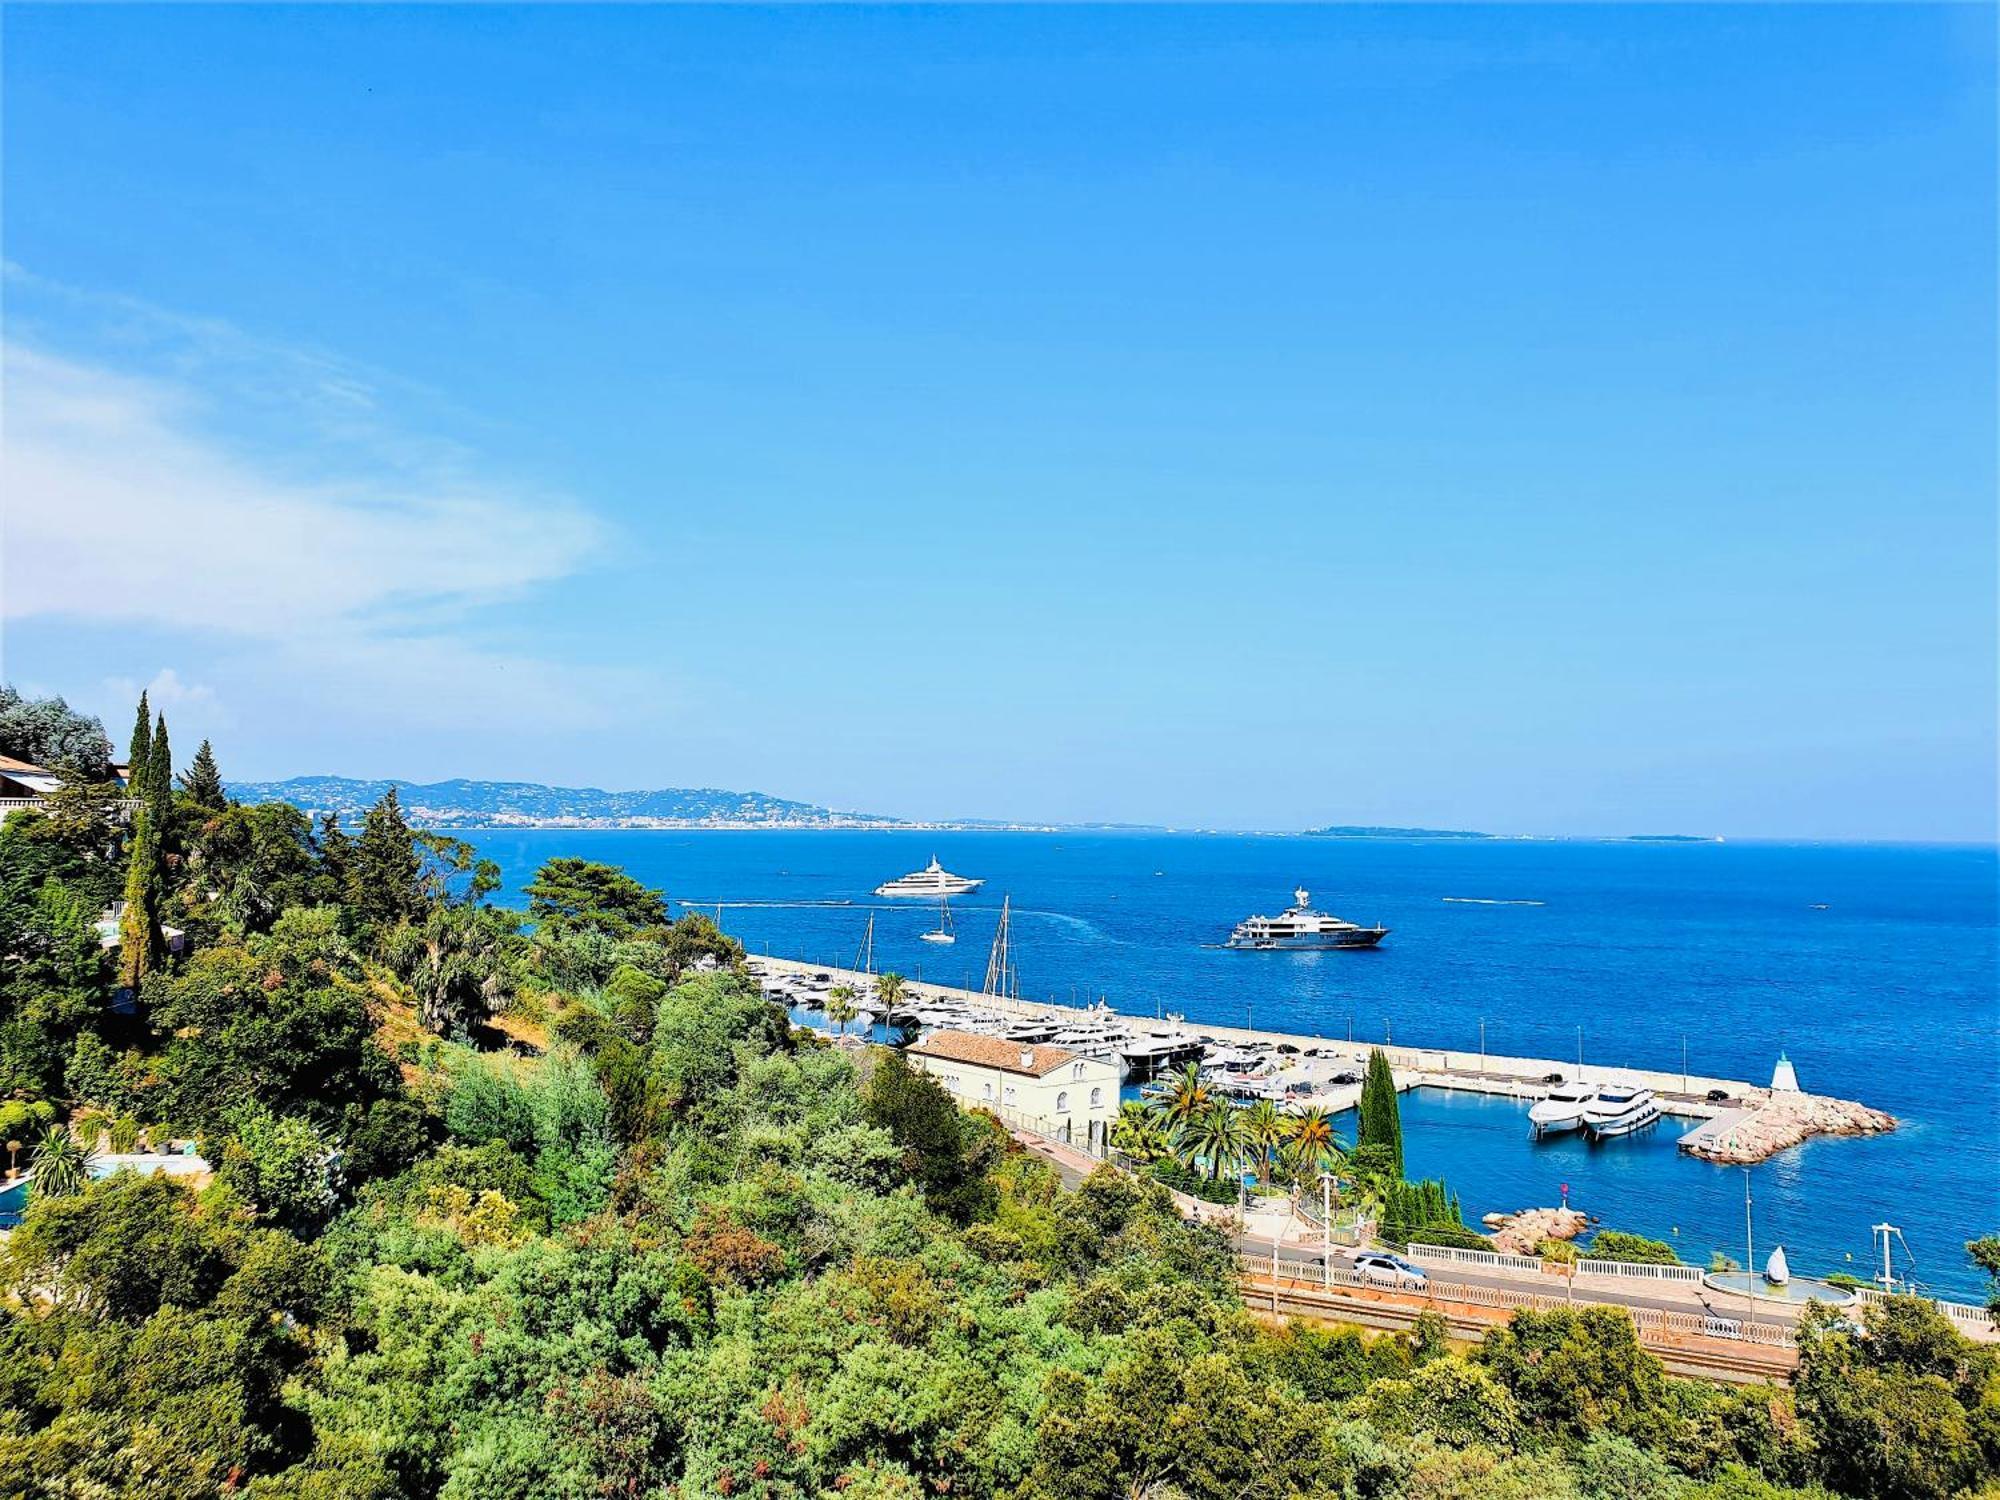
(1887, 995)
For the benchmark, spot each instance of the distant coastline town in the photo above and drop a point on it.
(466, 804)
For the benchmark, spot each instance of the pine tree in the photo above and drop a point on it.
(140, 941)
(160, 777)
(139, 759)
(383, 882)
(202, 781)
(1381, 1116)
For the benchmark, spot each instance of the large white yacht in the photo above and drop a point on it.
(1302, 927)
(1619, 1110)
(933, 882)
(1561, 1108)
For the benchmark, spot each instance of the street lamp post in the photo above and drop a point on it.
(1326, 1228)
(1482, 1046)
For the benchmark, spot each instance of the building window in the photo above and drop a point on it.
(986, 1090)
(1096, 1098)
(1077, 1072)
(1008, 1096)
(1062, 1102)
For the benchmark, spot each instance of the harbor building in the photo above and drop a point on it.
(1047, 1089)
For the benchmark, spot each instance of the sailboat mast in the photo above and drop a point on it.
(999, 967)
(865, 959)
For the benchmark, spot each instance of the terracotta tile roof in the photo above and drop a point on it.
(9, 763)
(1034, 1061)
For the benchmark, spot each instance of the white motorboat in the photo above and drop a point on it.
(1619, 1110)
(933, 881)
(1560, 1109)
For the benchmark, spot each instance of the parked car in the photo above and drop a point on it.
(1716, 1096)
(1383, 1269)
(1345, 1077)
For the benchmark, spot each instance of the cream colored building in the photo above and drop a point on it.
(1049, 1090)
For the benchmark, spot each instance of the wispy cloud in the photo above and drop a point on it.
(259, 503)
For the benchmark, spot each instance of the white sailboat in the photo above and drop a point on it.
(941, 933)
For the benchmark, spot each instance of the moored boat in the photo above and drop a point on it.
(1619, 1110)
(1561, 1109)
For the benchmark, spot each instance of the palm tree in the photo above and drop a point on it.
(1218, 1134)
(1312, 1144)
(1264, 1129)
(62, 1164)
(889, 990)
(1185, 1098)
(840, 1006)
(1138, 1134)
(454, 962)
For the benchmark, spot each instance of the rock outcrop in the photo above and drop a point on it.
(1523, 1233)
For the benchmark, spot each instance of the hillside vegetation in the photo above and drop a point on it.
(645, 1238)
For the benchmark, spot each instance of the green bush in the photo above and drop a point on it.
(1186, 1180)
(1450, 1236)
(1636, 1249)
(124, 1135)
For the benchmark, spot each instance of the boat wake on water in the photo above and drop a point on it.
(1490, 901)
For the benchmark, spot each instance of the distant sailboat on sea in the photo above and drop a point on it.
(942, 933)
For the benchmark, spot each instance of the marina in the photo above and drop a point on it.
(1297, 1072)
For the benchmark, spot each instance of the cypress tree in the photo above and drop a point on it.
(383, 885)
(1381, 1116)
(140, 941)
(202, 781)
(139, 759)
(160, 777)
(336, 860)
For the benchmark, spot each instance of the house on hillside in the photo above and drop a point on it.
(1051, 1091)
(24, 784)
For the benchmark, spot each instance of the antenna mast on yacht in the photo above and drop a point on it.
(1000, 977)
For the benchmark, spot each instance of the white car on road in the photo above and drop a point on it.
(1383, 1269)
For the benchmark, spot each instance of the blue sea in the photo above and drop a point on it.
(1873, 967)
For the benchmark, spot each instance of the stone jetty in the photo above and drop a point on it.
(1771, 1121)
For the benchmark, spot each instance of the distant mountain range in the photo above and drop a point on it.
(527, 804)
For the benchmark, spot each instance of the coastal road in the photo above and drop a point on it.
(1073, 1166)
(1699, 1300)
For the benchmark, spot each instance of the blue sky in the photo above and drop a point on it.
(1554, 419)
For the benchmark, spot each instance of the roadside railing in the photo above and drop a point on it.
(1633, 1270)
(1492, 1260)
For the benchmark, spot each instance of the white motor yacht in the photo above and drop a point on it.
(1561, 1109)
(1619, 1110)
(932, 882)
